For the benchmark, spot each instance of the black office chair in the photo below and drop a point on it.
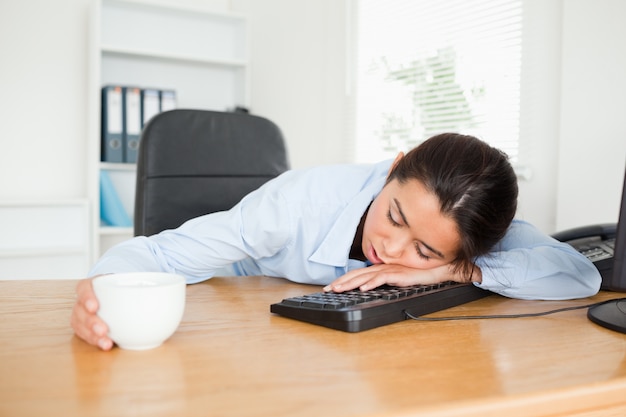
(195, 162)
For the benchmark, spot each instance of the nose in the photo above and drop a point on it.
(394, 246)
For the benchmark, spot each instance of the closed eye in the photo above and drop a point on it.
(391, 220)
(420, 253)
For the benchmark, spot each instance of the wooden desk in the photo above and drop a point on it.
(231, 357)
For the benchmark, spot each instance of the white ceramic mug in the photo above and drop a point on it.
(141, 309)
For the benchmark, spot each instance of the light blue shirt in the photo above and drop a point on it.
(301, 225)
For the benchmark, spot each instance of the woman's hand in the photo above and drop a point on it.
(399, 276)
(86, 324)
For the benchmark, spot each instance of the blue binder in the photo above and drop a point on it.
(168, 100)
(150, 104)
(112, 149)
(132, 122)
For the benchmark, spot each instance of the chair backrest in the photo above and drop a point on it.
(195, 162)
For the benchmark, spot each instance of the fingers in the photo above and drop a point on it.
(84, 321)
(365, 279)
(376, 275)
(86, 296)
(346, 282)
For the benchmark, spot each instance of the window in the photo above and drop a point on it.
(430, 66)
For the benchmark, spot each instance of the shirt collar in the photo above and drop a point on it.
(335, 247)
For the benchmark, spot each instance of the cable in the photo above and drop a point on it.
(501, 316)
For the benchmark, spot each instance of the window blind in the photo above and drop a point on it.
(430, 66)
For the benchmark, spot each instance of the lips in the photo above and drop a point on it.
(373, 256)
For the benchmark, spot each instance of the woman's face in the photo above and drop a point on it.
(404, 226)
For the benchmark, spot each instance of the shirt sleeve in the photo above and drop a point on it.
(256, 227)
(530, 265)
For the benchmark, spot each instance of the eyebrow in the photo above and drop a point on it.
(395, 200)
(430, 248)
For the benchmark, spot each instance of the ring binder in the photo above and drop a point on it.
(132, 122)
(168, 100)
(150, 104)
(112, 125)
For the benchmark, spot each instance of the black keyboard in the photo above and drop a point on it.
(355, 311)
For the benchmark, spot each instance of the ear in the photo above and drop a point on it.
(395, 162)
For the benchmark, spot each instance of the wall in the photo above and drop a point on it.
(592, 140)
(539, 116)
(43, 206)
(42, 112)
(298, 54)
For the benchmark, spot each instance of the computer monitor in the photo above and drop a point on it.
(618, 279)
(612, 314)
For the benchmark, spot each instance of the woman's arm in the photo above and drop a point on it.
(256, 227)
(528, 264)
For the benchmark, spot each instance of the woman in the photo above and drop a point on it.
(442, 212)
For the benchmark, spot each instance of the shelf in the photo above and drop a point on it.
(142, 53)
(167, 31)
(167, 6)
(114, 166)
(197, 84)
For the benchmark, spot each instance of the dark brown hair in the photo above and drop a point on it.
(475, 184)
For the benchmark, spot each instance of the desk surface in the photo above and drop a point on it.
(231, 357)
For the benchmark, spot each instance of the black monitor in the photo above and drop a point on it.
(612, 314)
(618, 278)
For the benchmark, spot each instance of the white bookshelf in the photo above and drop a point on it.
(200, 53)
